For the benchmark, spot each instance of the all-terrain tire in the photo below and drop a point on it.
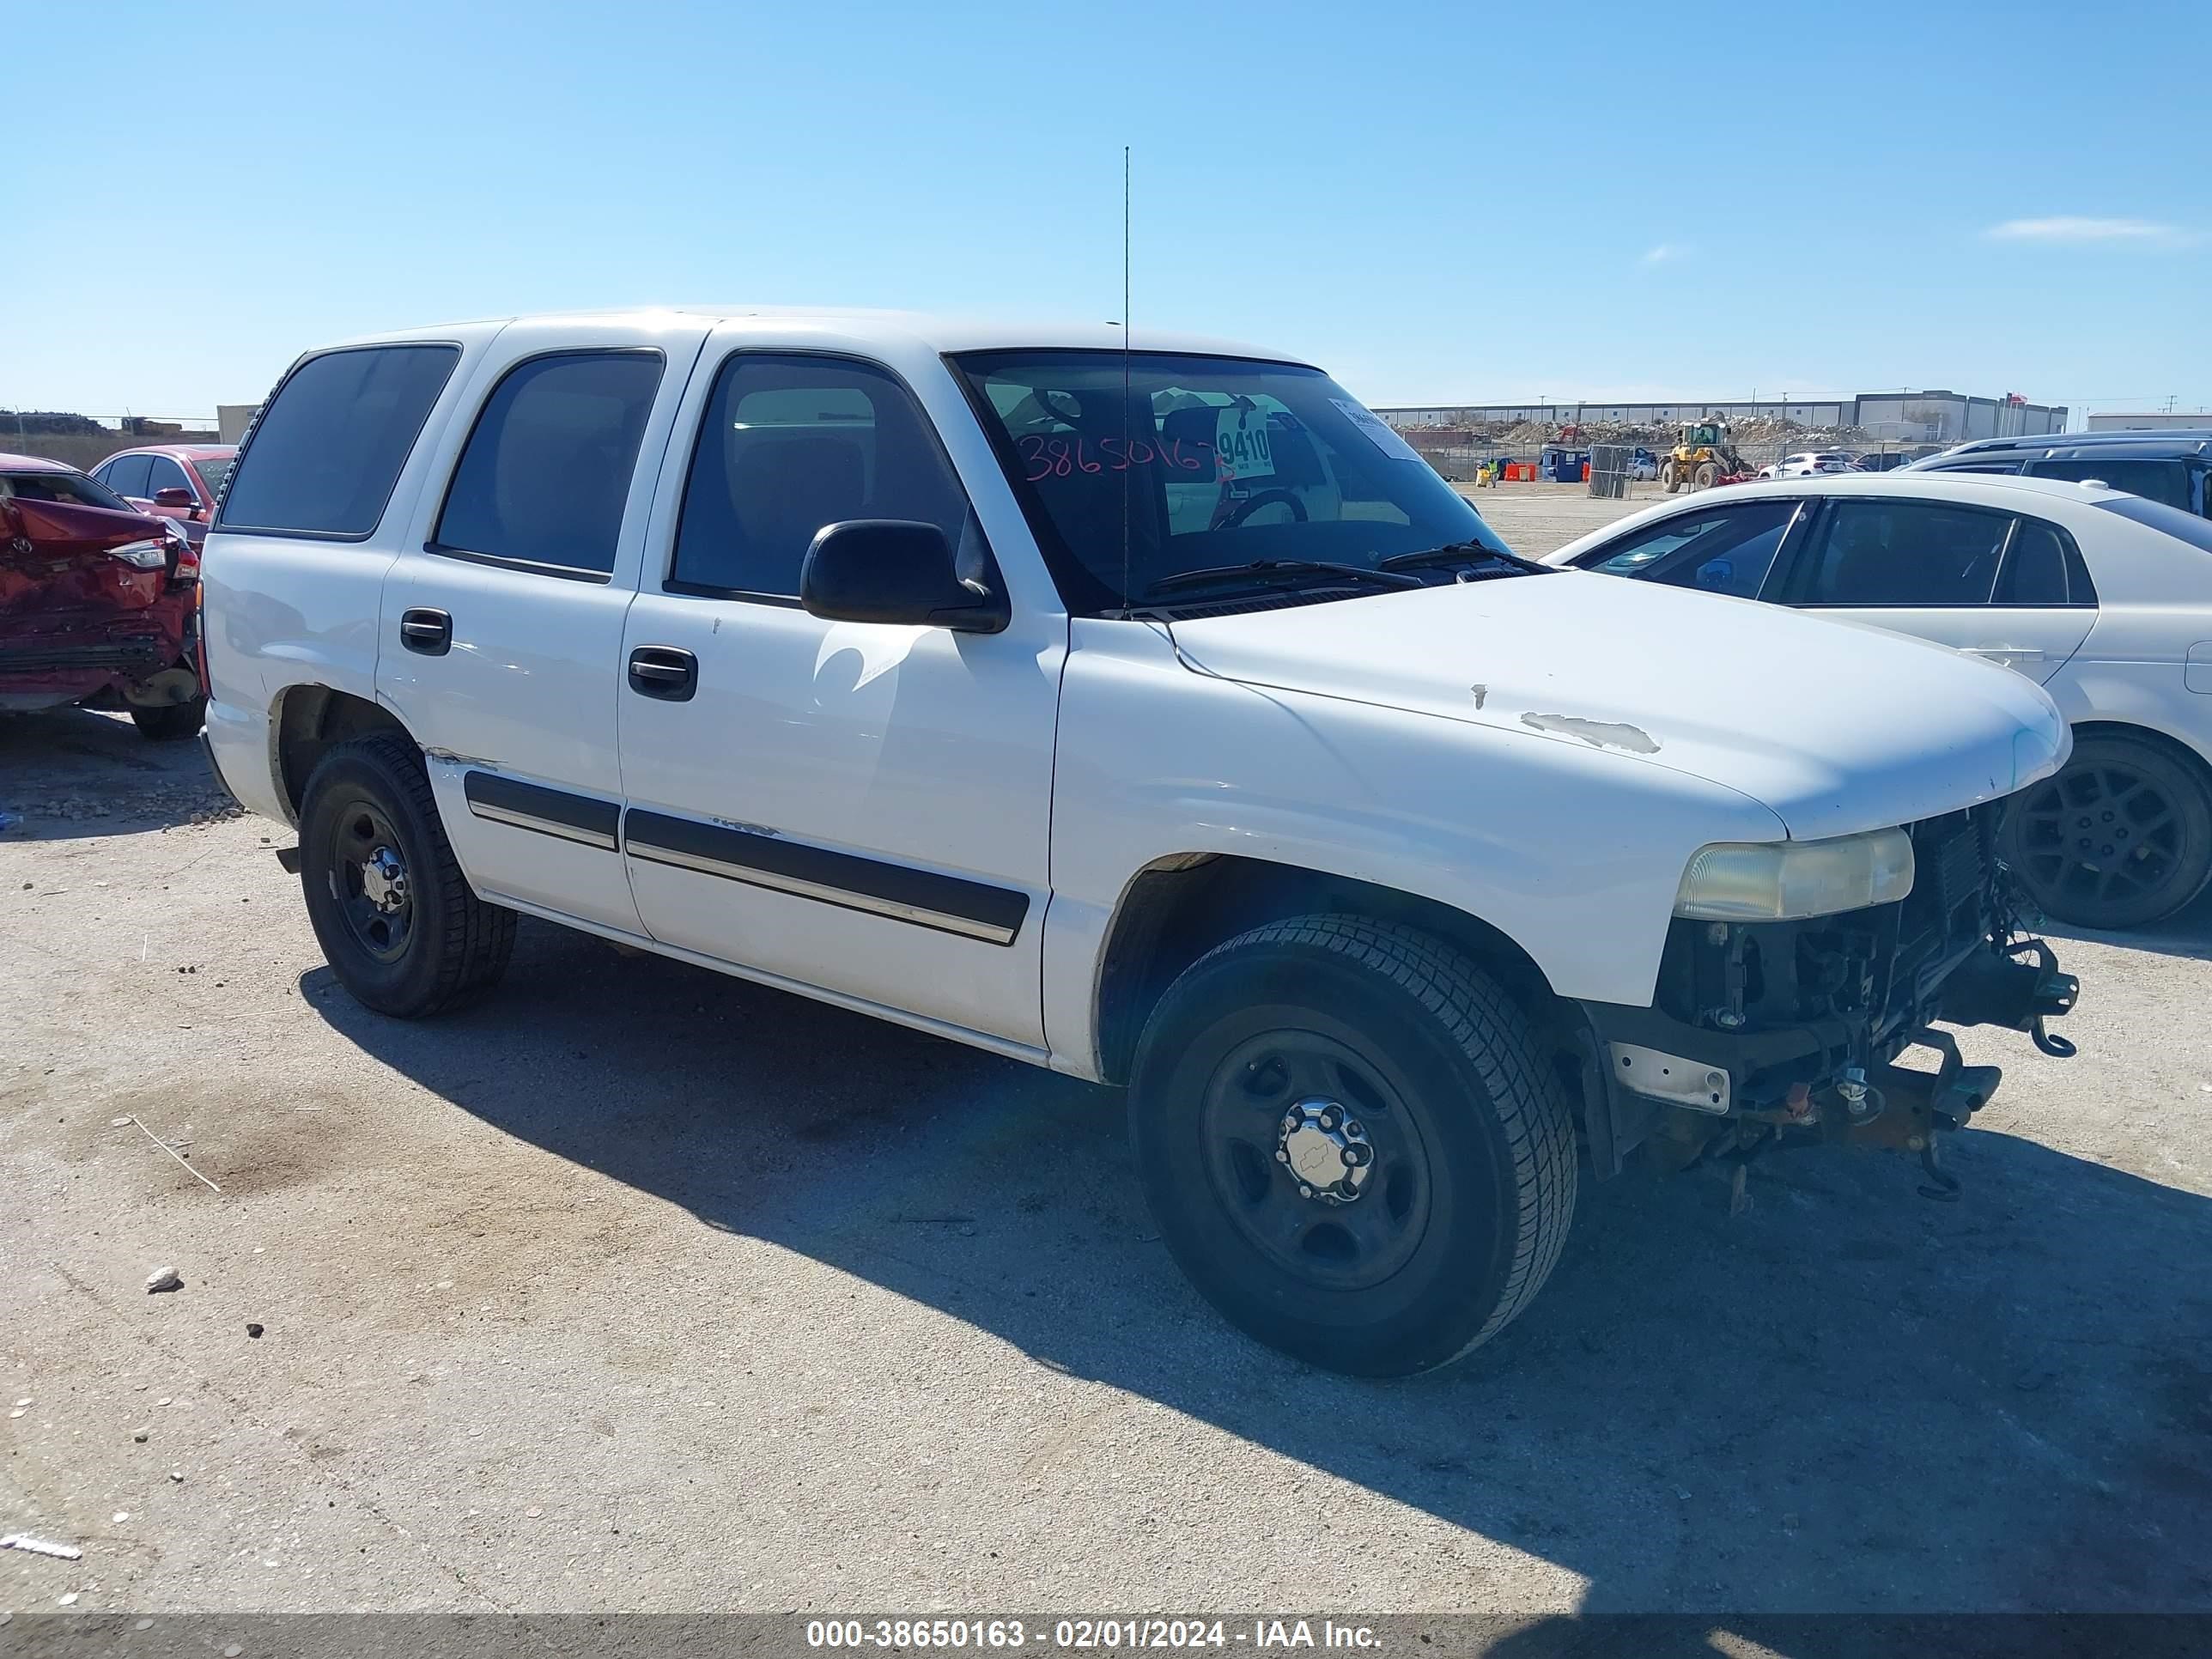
(454, 946)
(2145, 814)
(172, 722)
(1707, 475)
(1670, 477)
(1429, 1043)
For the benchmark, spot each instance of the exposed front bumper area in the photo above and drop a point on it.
(1783, 1033)
(59, 665)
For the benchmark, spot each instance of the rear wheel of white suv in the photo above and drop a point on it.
(395, 916)
(1352, 1143)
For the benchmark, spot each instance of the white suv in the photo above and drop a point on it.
(1157, 716)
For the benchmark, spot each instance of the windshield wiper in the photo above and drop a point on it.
(1270, 569)
(1480, 558)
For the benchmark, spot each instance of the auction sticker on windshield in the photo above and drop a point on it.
(1240, 440)
(1379, 433)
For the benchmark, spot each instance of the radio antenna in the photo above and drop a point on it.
(1126, 393)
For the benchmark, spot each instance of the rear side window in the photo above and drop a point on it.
(547, 470)
(1915, 553)
(2166, 481)
(325, 454)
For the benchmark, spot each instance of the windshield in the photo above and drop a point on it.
(1206, 462)
(71, 488)
(213, 470)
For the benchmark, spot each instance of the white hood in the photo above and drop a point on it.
(1836, 727)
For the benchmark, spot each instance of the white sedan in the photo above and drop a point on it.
(2103, 598)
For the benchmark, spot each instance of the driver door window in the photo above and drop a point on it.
(789, 445)
(1722, 550)
(162, 473)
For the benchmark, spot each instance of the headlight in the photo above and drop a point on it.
(1788, 880)
(142, 556)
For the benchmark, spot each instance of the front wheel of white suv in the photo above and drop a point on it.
(1352, 1143)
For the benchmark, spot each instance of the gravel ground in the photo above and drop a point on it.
(638, 1287)
(1536, 518)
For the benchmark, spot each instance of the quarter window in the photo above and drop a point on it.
(1902, 553)
(324, 455)
(2039, 566)
(1727, 549)
(789, 445)
(547, 471)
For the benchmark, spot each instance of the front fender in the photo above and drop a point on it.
(1571, 853)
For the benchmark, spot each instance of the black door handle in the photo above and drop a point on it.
(426, 631)
(663, 672)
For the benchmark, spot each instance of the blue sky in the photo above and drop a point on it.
(1438, 201)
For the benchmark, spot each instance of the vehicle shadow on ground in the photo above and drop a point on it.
(2187, 933)
(2000, 1403)
(68, 773)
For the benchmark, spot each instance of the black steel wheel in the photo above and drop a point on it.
(369, 868)
(392, 910)
(1352, 1143)
(1315, 1158)
(2120, 837)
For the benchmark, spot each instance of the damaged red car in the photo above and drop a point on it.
(98, 603)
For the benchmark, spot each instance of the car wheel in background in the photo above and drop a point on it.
(172, 722)
(2120, 837)
(1352, 1143)
(394, 915)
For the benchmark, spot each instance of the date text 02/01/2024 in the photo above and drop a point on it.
(1084, 1634)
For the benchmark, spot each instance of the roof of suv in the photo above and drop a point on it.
(33, 464)
(938, 332)
(2180, 442)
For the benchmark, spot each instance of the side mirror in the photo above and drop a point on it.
(894, 570)
(174, 496)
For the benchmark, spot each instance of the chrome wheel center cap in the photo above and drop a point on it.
(384, 880)
(1325, 1150)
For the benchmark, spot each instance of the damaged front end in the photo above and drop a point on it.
(1765, 1034)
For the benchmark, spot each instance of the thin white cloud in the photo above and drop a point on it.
(2066, 227)
(1661, 255)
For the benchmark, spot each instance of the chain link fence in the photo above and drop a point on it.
(1620, 471)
